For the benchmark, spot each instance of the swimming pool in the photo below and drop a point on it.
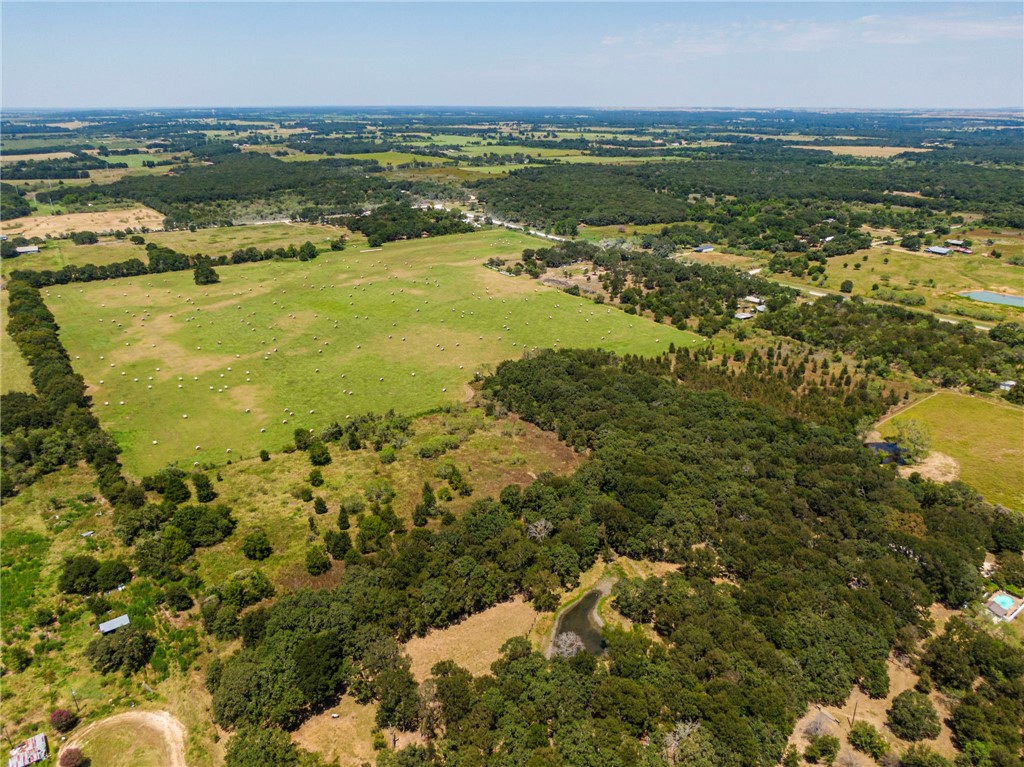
(1003, 600)
(988, 297)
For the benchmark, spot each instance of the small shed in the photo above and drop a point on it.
(938, 251)
(703, 249)
(114, 624)
(33, 750)
(754, 299)
(1007, 385)
(955, 243)
(743, 315)
(26, 249)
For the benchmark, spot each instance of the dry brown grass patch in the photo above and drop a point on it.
(475, 643)
(101, 221)
(864, 151)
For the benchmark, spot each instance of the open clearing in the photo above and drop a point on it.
(133, 739)
(279, 345)
(984, 436)
(874, 711)
(475, 643)
(863, 151)
(104, 221)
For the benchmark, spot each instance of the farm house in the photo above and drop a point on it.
(937, 251)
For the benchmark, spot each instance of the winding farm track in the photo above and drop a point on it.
(168, 727)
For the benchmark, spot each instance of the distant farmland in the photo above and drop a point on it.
(185, 373)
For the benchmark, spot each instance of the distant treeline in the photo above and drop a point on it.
(205, 195)
(68, 167)
(659, 192)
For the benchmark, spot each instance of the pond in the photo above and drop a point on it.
(988, 297)
(582, 619)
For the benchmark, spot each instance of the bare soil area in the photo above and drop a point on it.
(133, 738)
(937, 467)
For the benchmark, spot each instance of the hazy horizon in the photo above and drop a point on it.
(841, 56)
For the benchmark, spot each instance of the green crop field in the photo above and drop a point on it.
(986, 437)
(180, 372)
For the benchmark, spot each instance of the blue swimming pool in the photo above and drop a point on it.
(988, 297)
(1003, 600)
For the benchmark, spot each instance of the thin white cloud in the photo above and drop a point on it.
(612, 40)
(948, 27)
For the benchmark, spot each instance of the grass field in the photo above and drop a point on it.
(985, 436)
(937, 278)
(278, 345)
(220, 241)
(14, 374)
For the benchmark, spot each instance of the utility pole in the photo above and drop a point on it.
(78, 708)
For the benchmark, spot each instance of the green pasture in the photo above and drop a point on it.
(14, 374)
(218, 241)
(302, 344)
(985, 436)
(937, 278)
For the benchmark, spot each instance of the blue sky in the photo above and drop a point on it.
(672, 54)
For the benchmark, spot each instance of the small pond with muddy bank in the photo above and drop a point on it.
(582, 619)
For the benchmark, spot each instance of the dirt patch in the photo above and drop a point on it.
(475, 643)
(152, 737)
(101, 221)
(860, 708)
(345, 732)
(937, 467)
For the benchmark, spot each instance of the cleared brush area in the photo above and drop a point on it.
(494, 453)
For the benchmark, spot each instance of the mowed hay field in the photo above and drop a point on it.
(986, 437)
(235, 367)
(102, 221)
